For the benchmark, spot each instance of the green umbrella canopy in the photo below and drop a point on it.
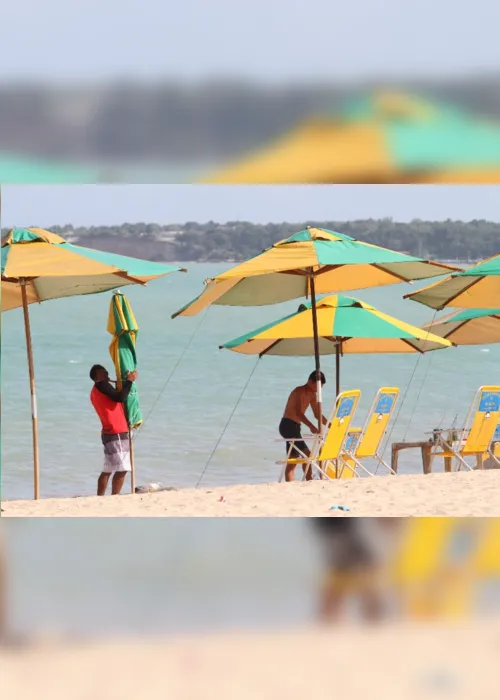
(345, 324)
(123, 326)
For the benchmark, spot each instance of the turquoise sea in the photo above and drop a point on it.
(186, 415)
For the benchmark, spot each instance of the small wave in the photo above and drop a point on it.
(485, 349)
(75, 362)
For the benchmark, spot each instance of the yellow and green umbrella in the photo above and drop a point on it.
(124, 329)
(378, 138)
(475, 288)
(345, 326)
(123, 326)
(312, 261)
(468, 327)
(38, 265)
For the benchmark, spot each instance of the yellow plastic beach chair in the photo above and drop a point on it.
(473, 441)
(494, 448)
(329, 448)
(365, 444)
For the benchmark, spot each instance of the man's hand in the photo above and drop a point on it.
(314, 430)
(131, 376)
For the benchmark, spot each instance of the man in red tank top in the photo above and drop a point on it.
(108, 403)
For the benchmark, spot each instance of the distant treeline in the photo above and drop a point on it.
(238, 240)
(174, 121)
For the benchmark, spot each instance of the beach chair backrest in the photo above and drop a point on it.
(346, 468)
(345, 408)
(378, 419)
(484, 421)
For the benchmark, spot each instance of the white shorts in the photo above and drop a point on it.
(116, 453)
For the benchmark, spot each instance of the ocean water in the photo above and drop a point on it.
(190, 389)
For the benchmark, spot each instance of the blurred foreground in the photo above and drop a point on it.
(127, 609)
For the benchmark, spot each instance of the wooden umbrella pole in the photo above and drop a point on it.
(316, 353)
(31, 369)
(132, 461)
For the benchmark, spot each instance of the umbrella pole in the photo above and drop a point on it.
(132, 461)
(337, 369)
(316, 353)
(31, 369)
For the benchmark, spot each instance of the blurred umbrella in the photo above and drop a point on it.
(475, 288)
(313, 261)
(27, 170)
(38, 265)
(124, 329)
(380, 138)
(470, 327)
(345, 326)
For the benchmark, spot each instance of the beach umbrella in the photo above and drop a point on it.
(475, 288)
(377, 138)
(124, 329)
(345, 326)
(468, 327)
(38, 265)
(311, 262)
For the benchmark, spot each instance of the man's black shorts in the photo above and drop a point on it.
(290, 430)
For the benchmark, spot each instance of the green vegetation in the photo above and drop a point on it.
(238, 240)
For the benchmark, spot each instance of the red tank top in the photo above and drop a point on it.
(111, 413)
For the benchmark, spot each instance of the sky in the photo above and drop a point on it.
(59, 40)
(86, 205)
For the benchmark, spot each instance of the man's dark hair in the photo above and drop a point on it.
(94, 370)
(313, 377)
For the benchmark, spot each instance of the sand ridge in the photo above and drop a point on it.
(460, 494)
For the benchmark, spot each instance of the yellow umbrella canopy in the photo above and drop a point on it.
(50, 268)
(381, 138)
(312, 261)
(345, 326)
(475, 288)
(469, 327)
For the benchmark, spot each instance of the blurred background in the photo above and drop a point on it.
(363, 92)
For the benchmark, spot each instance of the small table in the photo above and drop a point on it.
(425, 448)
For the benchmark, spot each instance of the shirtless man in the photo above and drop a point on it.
(298, 402)
(356, 552)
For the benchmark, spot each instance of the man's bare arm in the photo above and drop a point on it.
(315, 410)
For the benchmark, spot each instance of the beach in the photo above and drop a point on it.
(401, 661)
(459, 494)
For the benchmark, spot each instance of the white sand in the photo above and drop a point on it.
(390, 663)
(458, 494)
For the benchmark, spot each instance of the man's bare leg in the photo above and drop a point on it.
(307, 468)
(330, 603)
(117, 483)
(290, 471)
(102, 484)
